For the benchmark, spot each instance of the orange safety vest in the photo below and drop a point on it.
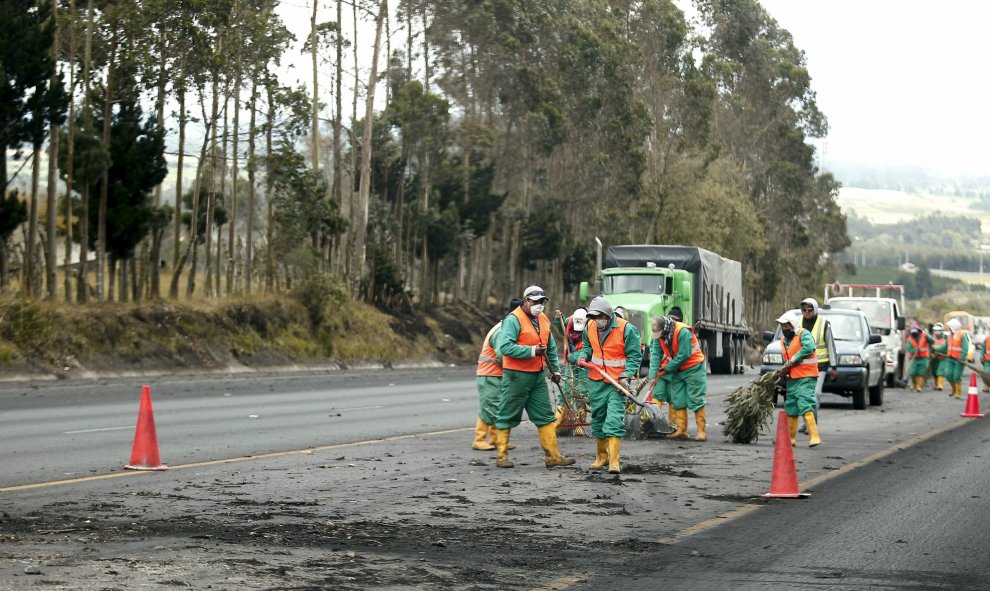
(955, 345)
(696, 357)
(611, 354)
(488, 365)
(986, 353)
(808, 368)
(528, 336)
(920, 349)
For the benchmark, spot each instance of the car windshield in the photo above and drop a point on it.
(633, 284)
(877, 313)
(846, 328)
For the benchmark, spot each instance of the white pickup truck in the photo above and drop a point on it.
(885, 315)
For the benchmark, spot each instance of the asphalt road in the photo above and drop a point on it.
(914, 520)
(394, 498)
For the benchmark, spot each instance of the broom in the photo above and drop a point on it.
(750, 408)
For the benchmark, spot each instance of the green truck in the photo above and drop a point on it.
(650, 280)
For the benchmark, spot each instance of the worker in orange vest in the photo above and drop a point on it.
(488, 378)
(528, 348)
(985, 357)
(801, 370)
(918, 344)
(678, 344)
(958, 349)
(937, 354)
(612, 344)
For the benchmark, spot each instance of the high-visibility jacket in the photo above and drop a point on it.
(808, 367)
(818, 333)
(986, 353)
(488, 365)
(696, 356)
(920, 345)
(938, 344)
(955, 345)
(612, 353)
(529, 336)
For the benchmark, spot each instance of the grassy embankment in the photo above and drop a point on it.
(257, 332)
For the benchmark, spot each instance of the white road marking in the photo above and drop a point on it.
(96, 430)
(359, 408)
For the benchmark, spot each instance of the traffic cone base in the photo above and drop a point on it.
(972, 401)
(783, 480)
(144, 453)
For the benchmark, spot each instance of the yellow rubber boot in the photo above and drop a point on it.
(493, 437)
(958, 389)
(601, 455)
(938, 382)
(502, 444)
(548, 441)
(702, 422)
(671, 416)
(681, 432)
(480, 431)
(792, 427)
(813, 438)
(921, 383)
(614, 443)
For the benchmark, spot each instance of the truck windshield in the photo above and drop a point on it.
(877, 313)
(633, 284)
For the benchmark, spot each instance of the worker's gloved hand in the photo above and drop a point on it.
(555, 378)
(558, 314)
(539, 351)
(632, 384)
(779, 390)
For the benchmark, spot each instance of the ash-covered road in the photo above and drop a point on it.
(394, 498)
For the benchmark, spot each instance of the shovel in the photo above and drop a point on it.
(611, 380)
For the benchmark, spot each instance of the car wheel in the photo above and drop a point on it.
(859, 396)
(876, 393)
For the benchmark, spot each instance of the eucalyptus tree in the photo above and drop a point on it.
(28, 92)
(765, 113)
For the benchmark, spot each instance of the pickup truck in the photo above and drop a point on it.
(886, 318)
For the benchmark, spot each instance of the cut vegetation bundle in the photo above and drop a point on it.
(750, 409)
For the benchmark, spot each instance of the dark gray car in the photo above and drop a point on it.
(860, 365)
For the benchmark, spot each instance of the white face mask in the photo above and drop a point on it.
(601, 323)
(536, 309)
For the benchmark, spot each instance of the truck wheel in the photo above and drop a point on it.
(859, 396)
(876, 393)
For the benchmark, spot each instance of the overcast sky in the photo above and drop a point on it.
(901, 81)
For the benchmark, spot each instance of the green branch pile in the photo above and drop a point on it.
(750, 409)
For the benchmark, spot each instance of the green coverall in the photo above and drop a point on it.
(580, 374)
(687, 387)
(663, 389)
(524, 390)
(919, 365)
(800, 391)
(608, 406)
(490, 387)
(954, 369)
(938, 355)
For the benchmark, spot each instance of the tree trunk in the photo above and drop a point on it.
(30, 284)
(364, 194)
(315, 132)
(270, 218)
(249, 246)
(180, 163)
(211, 192)
(69, 168)
(232, 218)
(338, 165)
(101, 220)
(51, 279)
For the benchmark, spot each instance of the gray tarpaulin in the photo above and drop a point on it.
(718, 286)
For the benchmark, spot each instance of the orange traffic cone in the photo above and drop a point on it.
(972, 400)
(783, 481)
(144, 453)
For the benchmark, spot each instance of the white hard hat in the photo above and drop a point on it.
(938, 326)
(789, 318)
(954, 325)
(535, 293)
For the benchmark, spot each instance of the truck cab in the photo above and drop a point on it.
(886, 318)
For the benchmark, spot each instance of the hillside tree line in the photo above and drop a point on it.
(455, 153)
